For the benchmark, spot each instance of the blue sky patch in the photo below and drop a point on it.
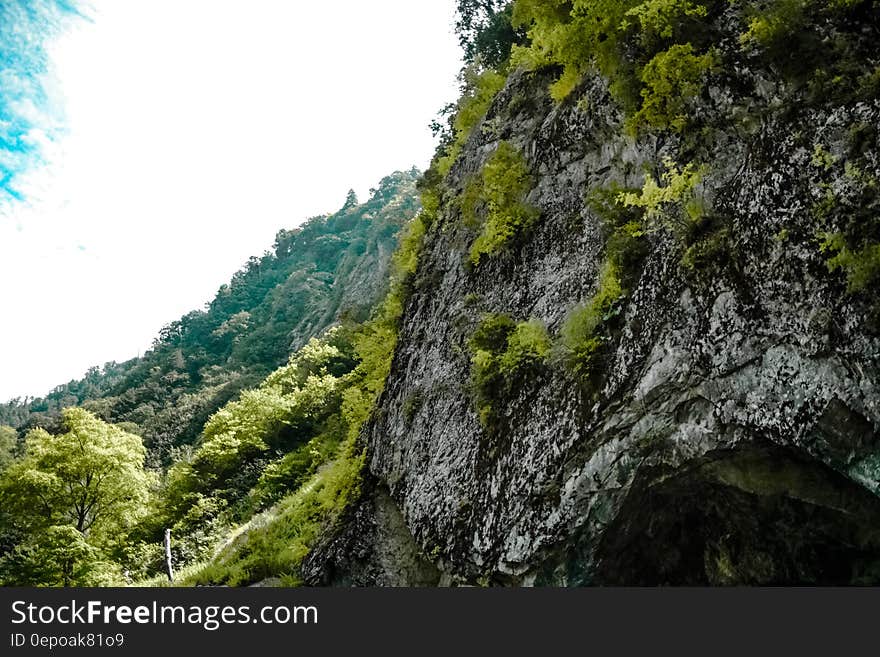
(27, 114)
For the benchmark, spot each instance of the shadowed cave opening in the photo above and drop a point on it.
(757, 514)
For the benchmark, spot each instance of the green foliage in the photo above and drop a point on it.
(869, 84)
(821, 44)
(485, 32)
(822, 159)
(58, 556)
(491, 334)
(575, 34)
(91, 476)
(75, 495)
(502, 351)
(406, 258)
(275, 543)
(501, 188)
(675, 204)
(294, 468)
(8, 446)
(709, 246)
(670, 80)
(661, 17)
(562, 88)
(848, 205)
(527, 345)
(581, 338)
(412, 405)
(580, 35)
(289, 403)
(429, 187)
(775, 25)
(480, 89)
(430, 206)
(861, 266)
(287, 415)
(321, 477)
(240, 430)
(471, 202)
(590, 326)
(659, 54)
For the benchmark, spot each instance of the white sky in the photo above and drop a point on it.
(196, 130)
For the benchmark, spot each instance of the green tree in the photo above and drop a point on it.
(58, 556)
(485, 32)
(8, 442)
(86, 483)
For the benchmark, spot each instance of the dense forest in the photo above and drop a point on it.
(330, 268)
(628, 335)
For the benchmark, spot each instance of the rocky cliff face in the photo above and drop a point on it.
(729, 435)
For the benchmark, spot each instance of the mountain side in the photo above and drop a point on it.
(330, 267)
(641, 343)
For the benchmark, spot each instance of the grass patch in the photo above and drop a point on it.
(274, 543)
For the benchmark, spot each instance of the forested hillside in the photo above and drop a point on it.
(329, 268)
(101, 467)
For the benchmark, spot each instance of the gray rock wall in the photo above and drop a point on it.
(735, 435)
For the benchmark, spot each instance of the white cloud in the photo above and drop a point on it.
(196, 130)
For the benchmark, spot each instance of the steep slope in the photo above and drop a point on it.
(329, 267)
(641, 345)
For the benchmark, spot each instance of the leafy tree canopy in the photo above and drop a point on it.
(74, 495)
(485, 32)
(90, 477)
